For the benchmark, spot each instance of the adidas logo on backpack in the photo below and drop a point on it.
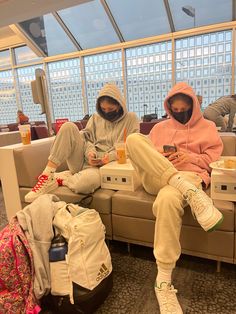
(104, 272)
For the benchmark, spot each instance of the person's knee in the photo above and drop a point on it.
(86, 181)
(68, 126)
(168, 203)
(132, 140)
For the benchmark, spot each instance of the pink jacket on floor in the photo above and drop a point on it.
(198, 137)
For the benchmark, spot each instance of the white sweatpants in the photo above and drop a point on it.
(69, 146)
(155, 171)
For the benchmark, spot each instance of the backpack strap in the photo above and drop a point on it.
(85, 201)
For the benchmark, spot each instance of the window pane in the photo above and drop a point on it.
(57, 40)
(8, 107)
(99, 69)
(139, 19)
(65, 88)
(148, 77)
(25, 55)
(89, 24)
(5, 58)
(211, 74)
(25, 76)
(199, 13)
(47, 33)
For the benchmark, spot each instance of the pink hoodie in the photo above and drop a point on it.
(198, 136)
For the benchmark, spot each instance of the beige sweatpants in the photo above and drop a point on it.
(69, 146)
(155, 171)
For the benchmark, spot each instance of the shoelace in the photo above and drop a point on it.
(41, 180)
(168, 299)
(198, 207)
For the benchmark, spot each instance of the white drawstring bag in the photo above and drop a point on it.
(88, 258)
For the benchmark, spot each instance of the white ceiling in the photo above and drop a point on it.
(14, 11)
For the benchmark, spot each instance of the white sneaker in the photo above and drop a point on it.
(166, 297)
(208, 216)
(44, 185)
(62, 177)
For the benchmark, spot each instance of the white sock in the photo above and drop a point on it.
(49, 170)
(163, 275)
(180, 183)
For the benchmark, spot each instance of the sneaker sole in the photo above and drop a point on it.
(216, 225)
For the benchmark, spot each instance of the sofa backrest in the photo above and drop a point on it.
(31, 159)
(229, 142)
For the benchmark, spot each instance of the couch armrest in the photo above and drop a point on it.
(30, 160)
(12, 161)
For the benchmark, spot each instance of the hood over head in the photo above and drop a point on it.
(112, 90)
(183, 88)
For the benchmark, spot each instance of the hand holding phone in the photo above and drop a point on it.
(93, 160)
(96, 158)
(169, 149)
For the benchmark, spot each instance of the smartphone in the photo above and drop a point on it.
(169, 149)
(96, 159)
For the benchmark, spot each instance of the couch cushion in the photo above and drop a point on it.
(133, 204)
(138, 204)
(101, 198)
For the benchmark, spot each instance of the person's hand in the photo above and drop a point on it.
(179, 158)
(105, 159)
(160, 150)
(92, 160)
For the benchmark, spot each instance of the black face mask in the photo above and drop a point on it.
(111, 116)
(184, 116)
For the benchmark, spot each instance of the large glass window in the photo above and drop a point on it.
(65, 89)
(99, 69)
(148, 77)
(205, 61)
(25, 55)
(140, 18)
(47, 33)
(191, 13)
(5, 58)
(8, 107)
(25, 76)
(89, 24)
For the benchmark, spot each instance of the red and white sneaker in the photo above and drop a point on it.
(45, 184)
(62, 177)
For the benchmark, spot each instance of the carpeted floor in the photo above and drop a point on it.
(200, 289)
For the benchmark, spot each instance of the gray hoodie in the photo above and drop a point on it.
(36, 221)
(225, 105)
(101, 134)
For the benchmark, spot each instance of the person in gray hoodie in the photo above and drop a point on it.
(85, 151)
(216, 111)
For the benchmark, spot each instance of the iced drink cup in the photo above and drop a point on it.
(120, 153)
(25, 134)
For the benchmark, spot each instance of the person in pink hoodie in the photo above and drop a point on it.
(178, 179)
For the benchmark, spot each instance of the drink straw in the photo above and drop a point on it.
(125, 134)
